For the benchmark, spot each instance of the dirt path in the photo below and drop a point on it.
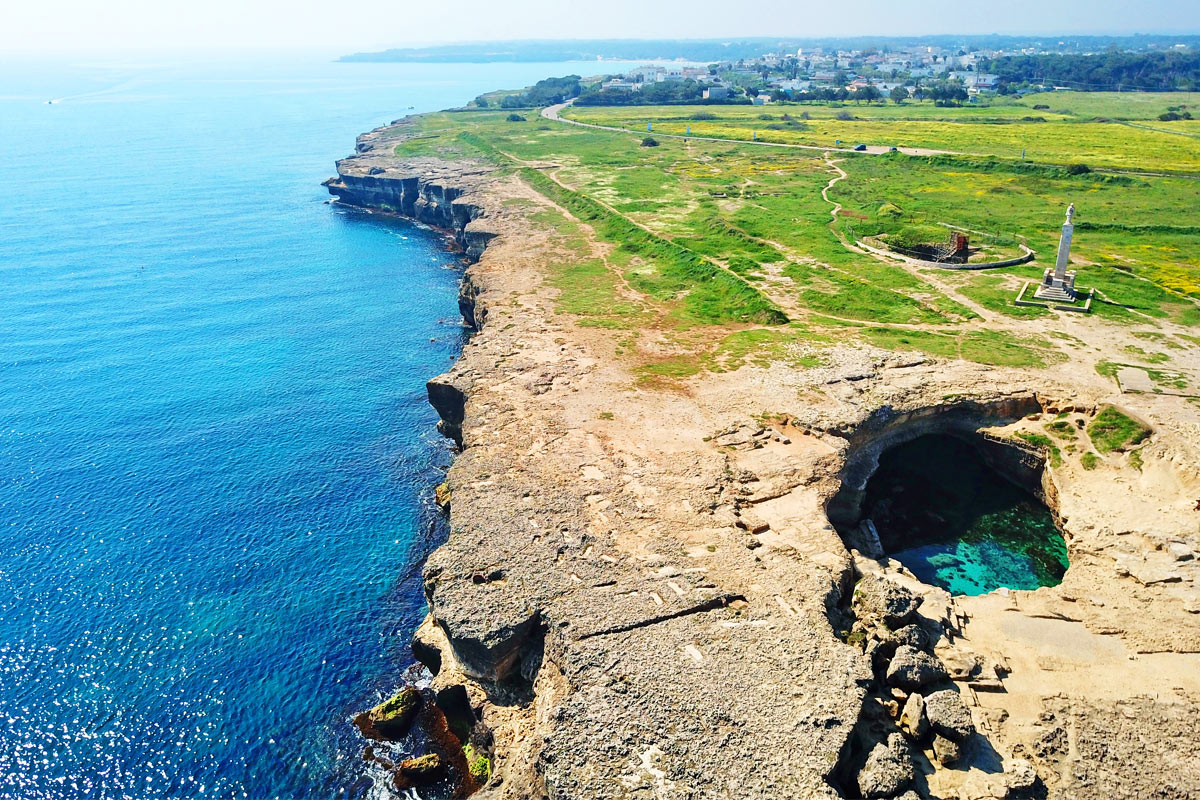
(841, 175)
(922, 275)
(785, 304)
(596, 246)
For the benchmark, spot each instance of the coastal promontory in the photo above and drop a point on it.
(688, 556)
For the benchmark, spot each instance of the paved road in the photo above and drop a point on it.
(552, 112)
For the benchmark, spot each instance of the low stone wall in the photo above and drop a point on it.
(1026, 255)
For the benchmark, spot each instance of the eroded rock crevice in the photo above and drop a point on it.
(913, 721)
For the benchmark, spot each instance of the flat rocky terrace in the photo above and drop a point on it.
(644, 597)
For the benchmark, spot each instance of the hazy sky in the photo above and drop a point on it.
(54, 26)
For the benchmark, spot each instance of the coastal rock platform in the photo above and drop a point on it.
(644, 596)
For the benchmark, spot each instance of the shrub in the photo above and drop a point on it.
(702, 116)
(649, 141)
(916, 235)
(1089, 460)
(1063, 429)
(515, 118)
(844, 116)
(545, 92)
(1041, 107)
(1078, 169)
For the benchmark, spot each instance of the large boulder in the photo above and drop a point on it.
(948, 716)
(422, 769)
(1021, 780)
(391, 719)
(913, 719)
(912, 670)
(878, 600)
(946, 751)
(912, 635)
(888, 769)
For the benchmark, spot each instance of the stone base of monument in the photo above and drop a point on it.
(1058, 298)
(1060, 289)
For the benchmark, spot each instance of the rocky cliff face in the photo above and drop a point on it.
(888, 427)
(641, 595)
(418, 197)
(603, 660)
(425, 190)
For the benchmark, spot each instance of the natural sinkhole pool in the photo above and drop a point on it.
(954, 522)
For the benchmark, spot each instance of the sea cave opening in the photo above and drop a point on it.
(962, 513)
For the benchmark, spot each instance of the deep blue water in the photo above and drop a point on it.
(215, 449)
(957, 524)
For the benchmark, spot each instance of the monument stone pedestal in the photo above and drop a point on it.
(1056, 287)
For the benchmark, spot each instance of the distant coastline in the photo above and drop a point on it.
(541, 50)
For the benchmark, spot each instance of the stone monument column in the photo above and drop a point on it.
(1064, 246)
(1059, 283)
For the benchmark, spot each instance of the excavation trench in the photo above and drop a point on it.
(962, 509)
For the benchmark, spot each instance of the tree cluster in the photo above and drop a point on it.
(545, 93)
(946, 93)
(1113, 70)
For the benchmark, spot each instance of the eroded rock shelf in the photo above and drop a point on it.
(642, 594)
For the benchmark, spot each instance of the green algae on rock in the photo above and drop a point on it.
(421, 768)
(392, 718)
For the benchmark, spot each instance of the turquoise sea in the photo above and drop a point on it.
(216, 456)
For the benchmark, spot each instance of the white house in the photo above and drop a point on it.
(791, 85)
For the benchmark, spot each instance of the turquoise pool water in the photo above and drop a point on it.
(955, 523)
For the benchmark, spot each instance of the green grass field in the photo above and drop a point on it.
(1062, 135)
(1113, 105)
(729, 251)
